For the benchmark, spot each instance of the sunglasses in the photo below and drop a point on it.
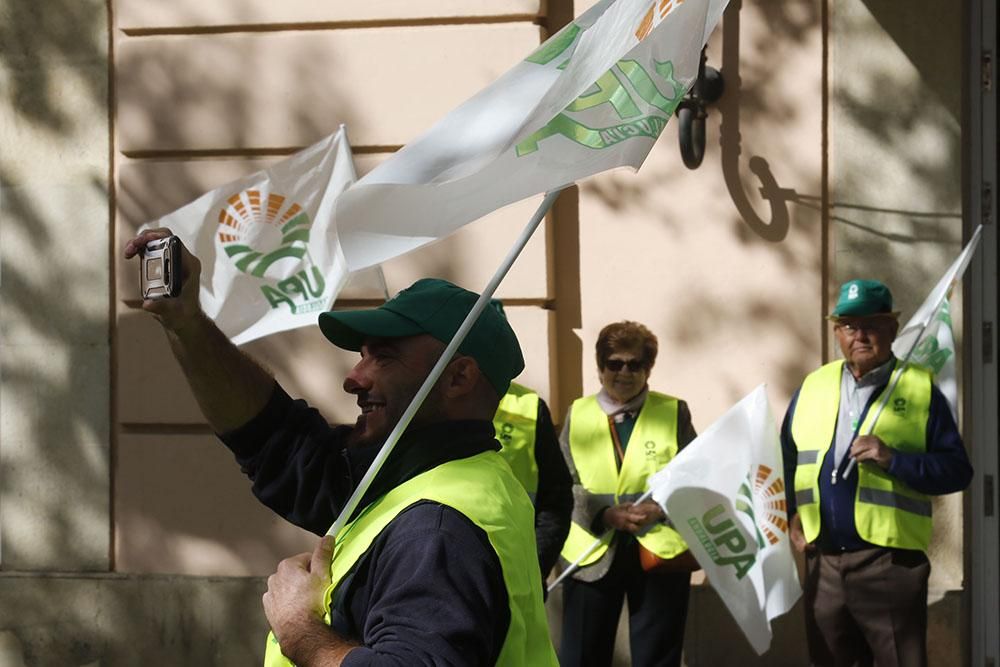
(634, 365)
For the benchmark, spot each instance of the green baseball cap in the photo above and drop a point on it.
(438, 308)
(863, 298)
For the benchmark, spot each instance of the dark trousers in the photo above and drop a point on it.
(867, 607)
(657, 607)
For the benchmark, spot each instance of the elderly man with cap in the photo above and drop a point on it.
(865, 528)
(437, 565)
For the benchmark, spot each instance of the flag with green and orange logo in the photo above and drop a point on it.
(594, 96)
(270, 254)
(725, 494)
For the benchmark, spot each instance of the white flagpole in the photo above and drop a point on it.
(885, 398)
(575, 565)
(449, 352)
(381, 279)
(959, 267)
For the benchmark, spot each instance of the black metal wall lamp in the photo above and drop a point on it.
(691, 113)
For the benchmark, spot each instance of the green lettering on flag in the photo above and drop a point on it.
(704, 539)
(566, 126)
(718, 531)
(945, 315)
(650, 126)
(276, 298)
(555, 47)
(929, 353)
(644, 85)
(743, 563)
(608, 89)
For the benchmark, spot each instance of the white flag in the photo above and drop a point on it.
(595, 96)
(268, 246)
(936, 352)
(725, 494)
(929, 332)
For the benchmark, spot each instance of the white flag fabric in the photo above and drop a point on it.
(929, 332)
(595, 96)
(936, 352)
(268, 246)
(725, 494)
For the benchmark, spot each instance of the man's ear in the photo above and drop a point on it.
(462, 376)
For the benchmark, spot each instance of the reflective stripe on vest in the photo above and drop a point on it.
(886, 511)
(651, 446)
(482, 488)
(515, 423)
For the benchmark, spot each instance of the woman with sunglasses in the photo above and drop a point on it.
(613, 441)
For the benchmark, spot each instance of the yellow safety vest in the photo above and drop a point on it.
(515, 423)
(483, 489)
(886, 511)
(651, 446)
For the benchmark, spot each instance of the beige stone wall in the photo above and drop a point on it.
(54, 277)
(895, 176)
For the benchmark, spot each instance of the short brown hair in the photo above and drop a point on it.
(626, 335)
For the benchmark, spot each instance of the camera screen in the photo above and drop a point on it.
(154, 268)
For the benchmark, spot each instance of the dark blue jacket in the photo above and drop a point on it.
(430, 589)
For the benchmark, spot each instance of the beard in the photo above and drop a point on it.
(374, 428)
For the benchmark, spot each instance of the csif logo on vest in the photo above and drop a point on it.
(267, 237)
(899, 406)
(734, 538)
(506, 433)
(649, 448)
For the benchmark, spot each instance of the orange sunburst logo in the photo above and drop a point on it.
(772, 509)
(246, 214)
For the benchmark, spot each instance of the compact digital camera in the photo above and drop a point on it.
(160, 269)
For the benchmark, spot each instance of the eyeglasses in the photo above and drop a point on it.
(634, 365)
(852, 329)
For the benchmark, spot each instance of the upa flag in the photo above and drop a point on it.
(595, 96)
(929, 333)
(270, 257)
(725, 494)
(936, 352)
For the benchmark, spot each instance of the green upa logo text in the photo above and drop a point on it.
(258, 232)
(928, 351)
(721, 537)
(627, 89)
(718, 529)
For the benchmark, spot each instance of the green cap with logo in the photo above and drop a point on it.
(863, 298)
(438, 308)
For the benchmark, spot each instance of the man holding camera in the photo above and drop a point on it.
(438, 562)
